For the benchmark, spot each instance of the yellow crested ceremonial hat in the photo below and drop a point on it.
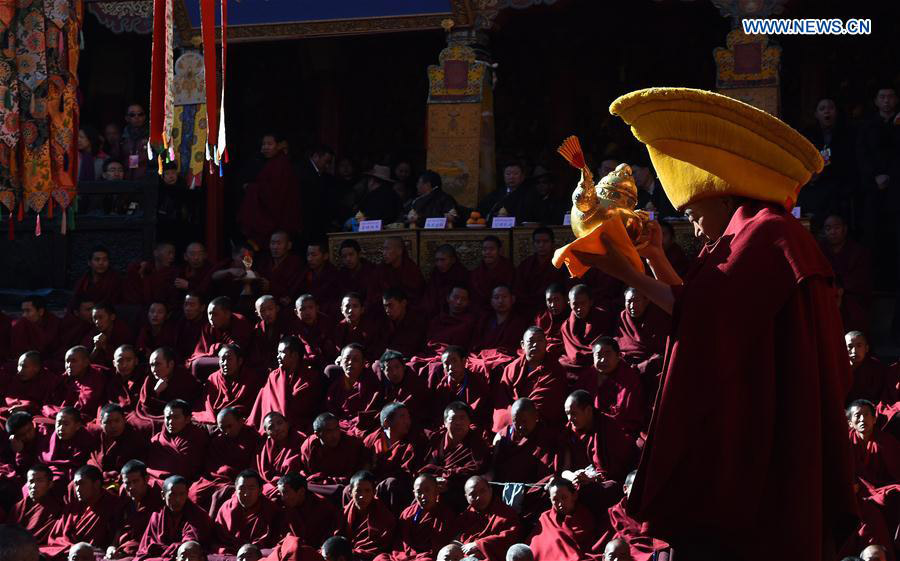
(705, 144)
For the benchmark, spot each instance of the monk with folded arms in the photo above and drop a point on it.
(39, 509)
(82, 385)
(367, 523)
(293, 389)
(68, 447)
(353, 390)
(280, 453)
(247, 517)
(27, 388)
(118, 440)
(180, 447)
(488, 527)
(424, 526)
(233, 448)
(304, 514)
(142, 498)
(178, 521)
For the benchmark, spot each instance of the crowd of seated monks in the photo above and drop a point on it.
(364, 411)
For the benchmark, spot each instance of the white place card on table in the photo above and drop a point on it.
(436, 223)
(503, 222)
(796, 212)
(567, 219)
(370, 226)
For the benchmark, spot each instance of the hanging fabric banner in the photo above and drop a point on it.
(162, 81)
(208, 34)
(220, 140)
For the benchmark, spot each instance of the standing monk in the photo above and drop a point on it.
(763, 292)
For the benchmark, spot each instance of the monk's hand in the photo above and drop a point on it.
(613, 262)
(652, 234)
(181, 284)
(100, 340)
(111, 552)
(15, 444)
(160, 386)
(471, 548)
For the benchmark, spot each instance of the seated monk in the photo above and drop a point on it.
(178, 521)
(100, 283)
(535, 375)
(247, 517)
(321, 278)
(447, 273)
(606, 290)
(291, 548)
(352, 390)
(249, 552)
(456, 452)
(190, 551)
(158, 331)
(82, 385)
(616, 387)
(424, 526)
(315, 330)
(281, 272)
(293, 389)
(27, 387)
(267, 332)
(453, 327)
(38, 509)
(393, 449)
(74, 327)
(601, 453)
(224, 327)
(180, 447)
(330, 456)
(567, 531)
(367, 522)
(870, 533)
(403, 330)
(458, 383)
(124, 384)
(584, 325)
(872, 379)
(280, 453)
(398, 383)
(82, 551)
(118, 440)
(141, 500)
(24, 438)
(233, 385)
(37, 329)
(358, 326)
(497, 337)
(680, 261)
(493, 270)
(189, 326)
(167, 381)
(488, 527)
(552, 318)
(852, 263)
(876, 454)
(622, 526)
(195, 275)
(231, 278)
(152, 281)
(233, 448)
(304, 514)
(109, 332)
(68, 447)
(397, 270)
(93, 516)
(536, 272)
(643, 331)
(357, 274)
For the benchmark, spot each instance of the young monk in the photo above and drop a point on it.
(398, 383)
(397, 270)
(224, 327)
(315, 330)
(623, 527)
(39, 509)
(109, 332)
(233, 448)
(142, 499)
(403, 330)
(167, 381)
(158, 331)
(152, 281)
(189, 326)
(353, 390)
(280, 453)
(180, 447)
(178, 521)
(498, 334)
(876, 454)
(536, 272)
(233, 385)
(267, 332)
(616, 387)
(82, 385)
(458, 383)
(358, 326)
(68, 447)
(424, 526)
(493, 270)
(247, 517)
(330, 456)
(367, 523)
(196, 273)
(453, 327)
(872, 380)
(321, 278)
(124, 384)
(552, 318)
(281, 271)
(567, 531)
(304, 514)
(28, 387)
(396, 454)
(24, 438)
(292, 389)
(642, 333)
(447, 273)
(357, 274)
(37, 329)
(585, 324)
(74, 326)
(118, 440)
(100, 283)
(488, 527)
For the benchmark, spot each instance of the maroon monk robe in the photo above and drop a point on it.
(456, 461)
(493, 530)
(872, 380)
(126, 393)
(178, 454)
(28, 455)
(150, 405)
(96, 523)
(579, 334)
(606, 291)
(363, 281)
(333, 466)
(236, 525)
(284, 277)
(136, 519)
(263, 352)
(371, 531)
(198, 280)
(147, 341)
(276, 459)
(110, 454)
(272, 202)
(313, 521)
(188, 336)
(297, 396)
(398, 459)
(566, 538)
(472, 390)
(530, 458)
(239, 332)
(325, 285)
(483, 280)
(533, 276)
(167, 530)
(118, 334)
(85, 392)
(368, 332)
(853, 265)
(878, 459)
(434, 299)
(225, 459)
(318, 338)
(443, 331)
(27, 396)
(757, 344)
(411, 391)
(620, 396)
(291, 548)
(624, 527)
(545, 385)
(421, 533)
(41, 336)
(349, 404)
(495, 345)
(642, 342)
(406, 335)
(36, 516)
(157, 285)
(605, 446)
(408, 276)
(221, 392)
(872, 530)
(72, 331)
(105, 288)
(552, 326)
(680, 261)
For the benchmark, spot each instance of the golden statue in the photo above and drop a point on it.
(607, 208)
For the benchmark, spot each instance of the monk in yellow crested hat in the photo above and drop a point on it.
(746, 452)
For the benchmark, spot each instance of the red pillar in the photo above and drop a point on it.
(214, 212)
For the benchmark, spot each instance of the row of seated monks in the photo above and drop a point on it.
(421, 419)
